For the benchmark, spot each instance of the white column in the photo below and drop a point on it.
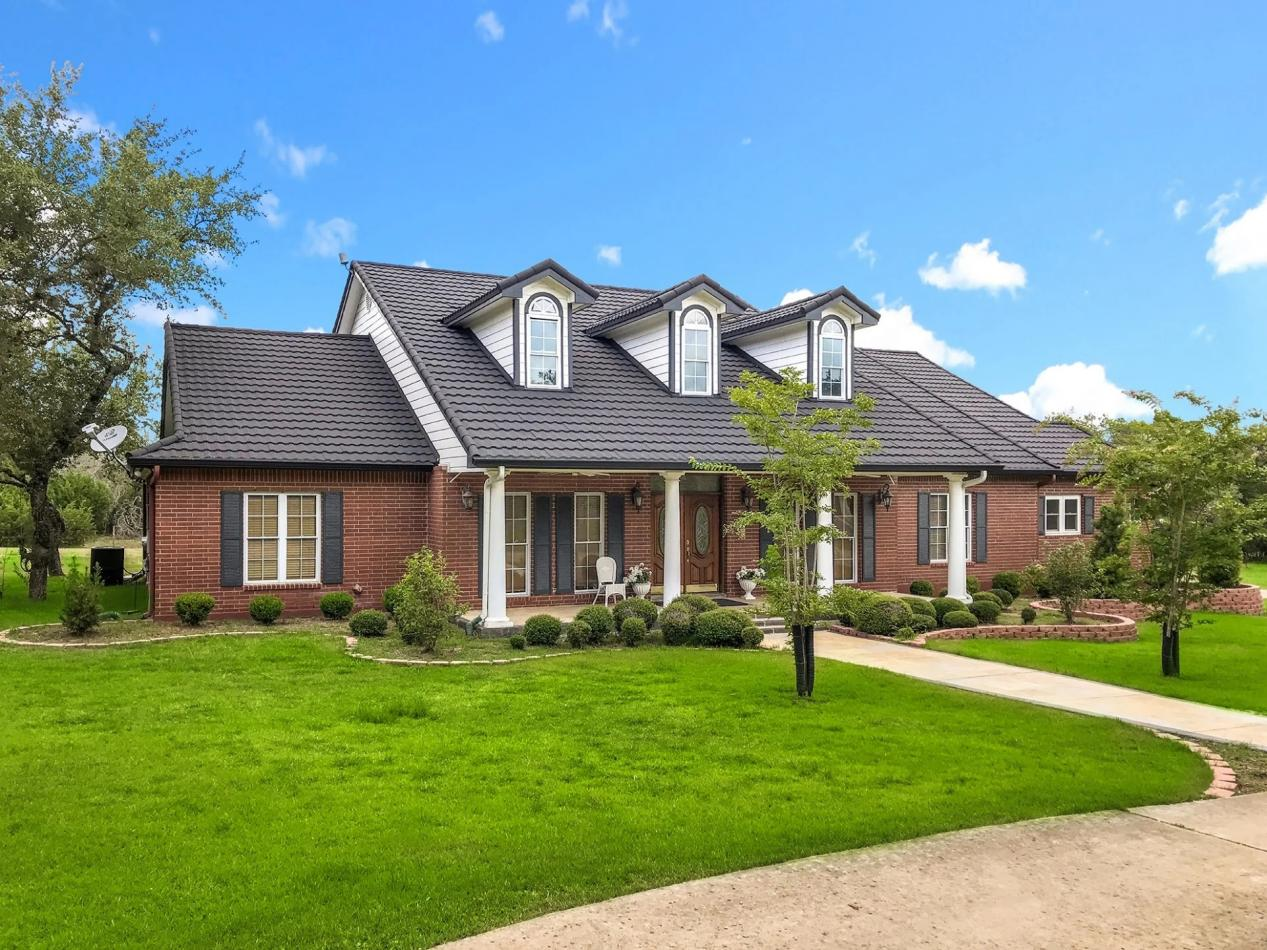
(672, 535)
(956, 542)
(824, 556)
(484, 551)
(495, 552)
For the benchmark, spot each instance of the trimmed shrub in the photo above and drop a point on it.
(922, 624)
(1034, 580)
(752, 637)
(428, 599)
(1028, 615)
(845, 602)
(920, 606)
(987, 595)
(721, 627)
(848, 618)
(391, 599)
(697, 603)
(638, 607)
(368, 623)
(1009, 581)
(944, 605)
(542, 630)
(986, 611)
(922, 588)
(1005, 596)
(578, 634)
(194, 607)
(265, 608)
(600, 620)
(336, 606)
(1223, 572)
(517, 641)
(959, 619)
(81, 607)
(884, 617)
(974, 585)
(677, 623)
(633, 631)
(904, 633)
(1069, 576)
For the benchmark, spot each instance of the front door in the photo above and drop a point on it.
(701, 541)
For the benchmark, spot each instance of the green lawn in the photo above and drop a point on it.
(1223, 659)
(270, 791)
(16, 609)
(1255, 572)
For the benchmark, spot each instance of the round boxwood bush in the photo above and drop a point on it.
(1004, 595)
(974, 585)
(266, 608)
(578, 634)
(633, 631)
(959, 618)
(677, 624)
(904, 633)
(697, 603)
(721, 627)
(1009, 581)
(336, 606)
(922, 588)
(922, 624)
(391, 598)
(542, 630)
(1028, 615)
(517, 641)
(884, 617)
(986, 611)
(920, 606)
(193, 608)
(638, 607)
(987, 595)
(600, 621)
(368, 623)
(944, 605)
(752, 636)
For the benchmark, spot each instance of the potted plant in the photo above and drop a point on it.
(749, 578)
(640, 577)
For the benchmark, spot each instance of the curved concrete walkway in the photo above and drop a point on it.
(1189, 875)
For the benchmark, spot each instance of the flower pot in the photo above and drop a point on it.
(748, 587)
(642, 589)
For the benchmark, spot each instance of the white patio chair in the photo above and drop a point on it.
(608, 586)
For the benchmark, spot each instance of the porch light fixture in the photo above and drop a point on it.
(884, 497)
(468, 498)
(745, 497)
(635, 496)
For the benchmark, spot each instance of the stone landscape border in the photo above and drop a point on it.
(1109, 628)
(1224, 783)
(100, 645)
(1242, 599)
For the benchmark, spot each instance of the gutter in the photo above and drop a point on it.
(974, 482)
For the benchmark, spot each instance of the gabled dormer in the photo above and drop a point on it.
(814, 336)
(676, 334)
(525, 323)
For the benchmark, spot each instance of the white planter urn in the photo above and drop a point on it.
(748, 586)
(642, 589)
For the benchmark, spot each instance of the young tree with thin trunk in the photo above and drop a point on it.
(92, 223)
(807, 453)
(1180, 482)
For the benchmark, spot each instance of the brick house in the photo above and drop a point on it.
(526, 425)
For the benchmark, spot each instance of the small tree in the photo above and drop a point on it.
(806, 453)
(1111, 553)
(1068, 574)
(1181, 480)
(81, 609)
(427, 599)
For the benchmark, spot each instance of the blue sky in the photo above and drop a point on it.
(1111, 157)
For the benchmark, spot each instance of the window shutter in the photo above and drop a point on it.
(764, 540)
(541, 544)
(868, 537)
(982, 513)
(479, 544)
(809, 358)
(231, 539)
(564, 578)
(332, 537)
(1042, 515)
(518, 376)
(921, 530)
(672, 355)
(616, 531)
(1088, 514)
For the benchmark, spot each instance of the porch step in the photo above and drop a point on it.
(770, 625)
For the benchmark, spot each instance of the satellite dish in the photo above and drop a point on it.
(107, 440)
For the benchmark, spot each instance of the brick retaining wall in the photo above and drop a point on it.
(1242, 599)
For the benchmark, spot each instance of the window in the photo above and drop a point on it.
(274, 555)
(544, 335)
(1062, 514)
(517, 543)
(831, 360)
(939, 526)
(844, 511)
(588, 543)
(697, 352)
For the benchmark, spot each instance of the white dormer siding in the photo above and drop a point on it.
(798, 345)
(495, 331)
(647, 341)
(781, 348)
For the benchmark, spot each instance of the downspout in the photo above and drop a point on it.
(974, 482)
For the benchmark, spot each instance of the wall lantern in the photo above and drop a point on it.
(884, 497)
(635, 496)
(745, 497)
(468, 498)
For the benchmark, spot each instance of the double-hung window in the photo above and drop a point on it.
(844, 516)
(282, 534)
(939, 526)
(1062, 514)
(697, 353)
(588, 539)
(831, 360)
(517, 543)
(545, 325)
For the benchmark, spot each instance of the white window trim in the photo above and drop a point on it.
(843, 337)
(1064, 501)
(711, 374)
(969, 540)
(527, 591)
(854, 579)
(282, 502)
(558, 340)
(602, 533)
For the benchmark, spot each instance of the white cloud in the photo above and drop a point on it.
(792, 296)
(1241, 245)
(1218, 209)
(149, 314)
(270, 208)
(1203, 333)
(1098, 237)
(609, 254)
(746, 140)
(899, 330)
(212, 259)
(862, 247)
(298, 159)
(1181, 208)
(578, 10)
(314, 330)
(609, 22)
(85, 121)
(1078, 389)
(489, 28)
(328, 238)
(421, 263)
(155, 36)
(974, 267)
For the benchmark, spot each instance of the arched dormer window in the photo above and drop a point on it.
(832, 343)
(697, 352)
(545, 326)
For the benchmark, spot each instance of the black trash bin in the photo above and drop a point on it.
(109, 561)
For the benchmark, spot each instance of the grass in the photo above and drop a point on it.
(458, 647)
(1223, 659)
(270, 791)
(17, 609)
(1254, 572)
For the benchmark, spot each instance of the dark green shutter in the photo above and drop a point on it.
(868, 537)
(541, 544)
(332, 537)
(616, 531)
(231, 539)
(479, 544)
(921, 529)
(1042, 515)
(982, 515)
(1088, 514)
(564, 577)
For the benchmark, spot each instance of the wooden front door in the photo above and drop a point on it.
(701, 541)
